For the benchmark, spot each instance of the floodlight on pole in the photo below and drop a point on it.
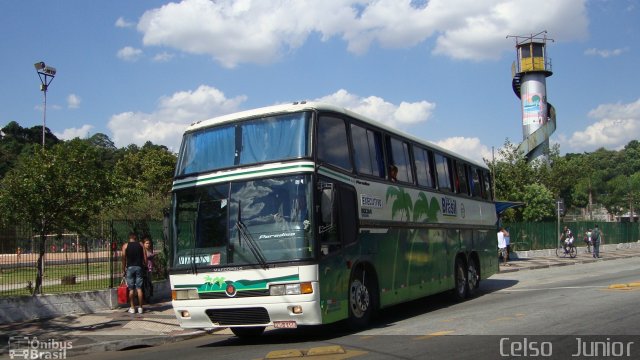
(46, 74)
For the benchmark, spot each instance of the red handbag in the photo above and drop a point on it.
(123, 293)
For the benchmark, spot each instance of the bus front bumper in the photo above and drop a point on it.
(270, 311)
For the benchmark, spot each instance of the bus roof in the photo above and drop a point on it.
(303, 105)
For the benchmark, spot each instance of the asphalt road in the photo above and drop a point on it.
(557, 313)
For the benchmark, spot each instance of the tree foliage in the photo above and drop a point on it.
(603, 177)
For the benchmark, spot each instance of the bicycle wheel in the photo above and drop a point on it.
(560, 251)
(573, 251)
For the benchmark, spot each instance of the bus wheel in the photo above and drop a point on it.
(247, 332)
(461, 290)
(362, 300)
(473, 277)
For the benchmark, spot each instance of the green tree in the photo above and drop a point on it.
(16, 140)
(540, 203)
(61, 188)
(144, 178)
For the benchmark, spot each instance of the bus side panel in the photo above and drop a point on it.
(486, 247)
(334, 287)
(411, 263)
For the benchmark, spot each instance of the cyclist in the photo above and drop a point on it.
(567, 237)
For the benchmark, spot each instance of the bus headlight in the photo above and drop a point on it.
(186, 294)
(291, 289)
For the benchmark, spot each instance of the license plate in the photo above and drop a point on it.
(285, 324)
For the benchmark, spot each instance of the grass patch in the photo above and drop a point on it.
(89, 285)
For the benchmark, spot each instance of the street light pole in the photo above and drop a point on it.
(46, 74)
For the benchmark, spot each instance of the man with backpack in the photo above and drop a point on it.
(595, 238)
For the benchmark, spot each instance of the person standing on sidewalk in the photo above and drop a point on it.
(595, 238)
(502, 247)
(134, 260)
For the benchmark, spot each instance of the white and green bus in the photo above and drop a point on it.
(307, 213)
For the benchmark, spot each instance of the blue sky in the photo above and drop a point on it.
(439, 69)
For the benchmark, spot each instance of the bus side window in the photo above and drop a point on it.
(333, 147)
(461, 179)
(486, 194)
(443, 173)
(424, 167)
(367, 151)
(398, 152)
(474, 182)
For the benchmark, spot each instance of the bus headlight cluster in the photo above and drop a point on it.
(291, 289)
(186, 294)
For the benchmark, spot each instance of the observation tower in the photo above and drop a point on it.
(529, 73)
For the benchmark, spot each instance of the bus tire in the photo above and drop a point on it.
(461, 289)
(248, 332)
(473, 277)
(362, 298)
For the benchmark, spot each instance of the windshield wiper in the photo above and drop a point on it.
(196, 235)
(244, 233)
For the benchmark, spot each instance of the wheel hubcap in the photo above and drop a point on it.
(473, 276)
(360, 299)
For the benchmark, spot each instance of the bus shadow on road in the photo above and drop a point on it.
(386, 317)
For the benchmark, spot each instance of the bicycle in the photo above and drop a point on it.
(566, 249)
(589, 244)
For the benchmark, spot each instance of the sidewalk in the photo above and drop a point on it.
(110, 330)
(118, 330)
(540, 259)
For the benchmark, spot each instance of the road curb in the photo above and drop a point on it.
(133, 343)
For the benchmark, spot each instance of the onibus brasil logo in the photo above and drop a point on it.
(25, 347)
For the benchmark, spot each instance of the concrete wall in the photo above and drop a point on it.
(25, 308)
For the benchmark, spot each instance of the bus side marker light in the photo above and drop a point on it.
(306, 288)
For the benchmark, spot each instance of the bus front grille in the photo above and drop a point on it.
(242, 316)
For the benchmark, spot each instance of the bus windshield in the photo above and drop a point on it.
(263, 139)
(254, 222)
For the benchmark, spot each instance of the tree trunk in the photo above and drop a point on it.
(40, 265)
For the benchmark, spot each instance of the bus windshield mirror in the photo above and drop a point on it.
(326, 206)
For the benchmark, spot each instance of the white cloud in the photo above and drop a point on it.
(166, 124)
(163, 57)
(615, 126)
(251, 31)
(73, 101)
(381, 110)
(72, 133)
(605, 53)
(469, 147)
(122, 23)
(129, 53)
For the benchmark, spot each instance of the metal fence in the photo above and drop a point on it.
(544, 235)
(71, 262)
